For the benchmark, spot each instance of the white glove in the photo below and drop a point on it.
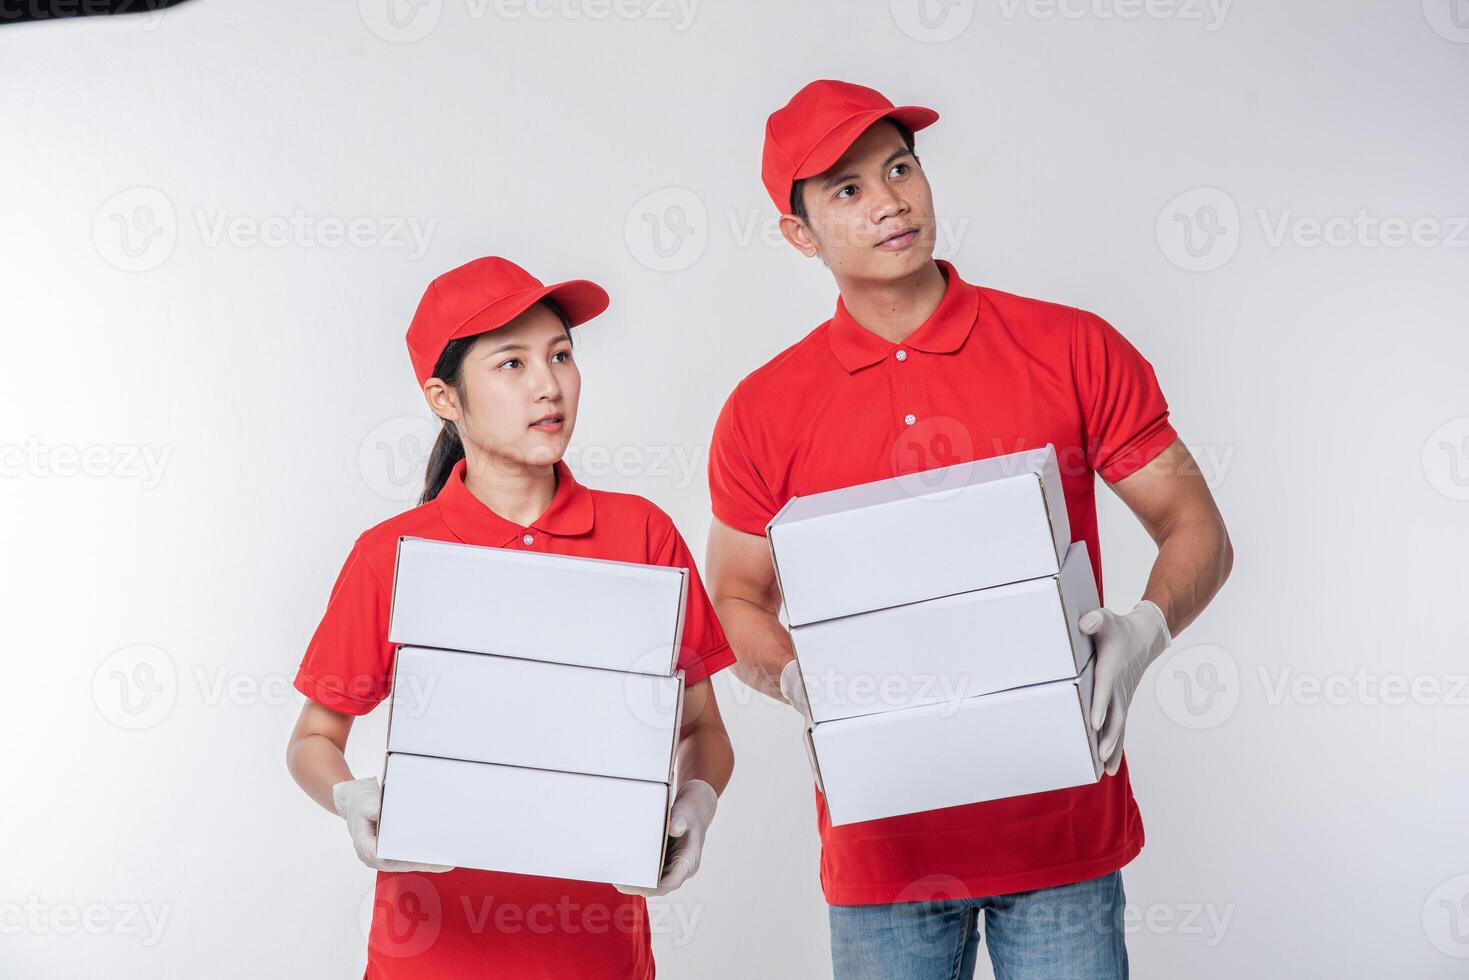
(793, 689)
(1125, 646)
(688, 822)
(359, 802)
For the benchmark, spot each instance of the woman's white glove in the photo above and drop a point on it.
(1125, 646)
(359, 802)
(688, 822)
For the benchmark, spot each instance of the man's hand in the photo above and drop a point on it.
(688, 822)
(1125, 645)
(793, 689)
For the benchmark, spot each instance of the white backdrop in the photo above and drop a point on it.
(218, 222)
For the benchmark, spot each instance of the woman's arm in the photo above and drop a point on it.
(314, 754)
(704, 749)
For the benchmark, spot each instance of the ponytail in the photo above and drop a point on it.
(447, 451)
(448, 447)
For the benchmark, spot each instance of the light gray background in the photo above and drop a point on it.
(196, 426)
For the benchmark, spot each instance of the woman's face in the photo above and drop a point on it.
(520, 391)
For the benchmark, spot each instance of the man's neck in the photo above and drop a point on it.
(895, 309)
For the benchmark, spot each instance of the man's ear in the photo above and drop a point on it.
(798, 233)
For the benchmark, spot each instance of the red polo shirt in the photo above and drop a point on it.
(467, 923)
(987, 374)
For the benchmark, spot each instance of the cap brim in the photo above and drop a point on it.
(829, 149)
(579, 299)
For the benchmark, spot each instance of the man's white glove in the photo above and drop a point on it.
(359, 802)
(1125, 646)
(688, 822)
(793, 689)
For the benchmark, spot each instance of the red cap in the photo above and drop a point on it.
(814, 129)
(485, 294)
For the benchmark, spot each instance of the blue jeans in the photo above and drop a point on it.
(1069, 932)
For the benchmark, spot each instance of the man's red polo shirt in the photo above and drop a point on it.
(466, 923)
(987, 374)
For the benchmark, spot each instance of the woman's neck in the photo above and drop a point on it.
(518, 492)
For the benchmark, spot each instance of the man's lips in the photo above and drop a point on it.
(899, 240)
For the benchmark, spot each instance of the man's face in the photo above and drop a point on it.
(870, 215)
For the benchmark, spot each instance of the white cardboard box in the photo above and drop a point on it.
(951, 648)
(1026, 740)
(582, 611)
(921, 536)
(483, 708)
(527, 821)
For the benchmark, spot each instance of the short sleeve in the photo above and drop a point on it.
(348, 660)
(737, 493)
(1124, 413)
(704, 649)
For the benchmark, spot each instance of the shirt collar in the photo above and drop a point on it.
(570, 511)
(944, 332)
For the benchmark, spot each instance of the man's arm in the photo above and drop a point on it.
(1172, 501)
(746, 595)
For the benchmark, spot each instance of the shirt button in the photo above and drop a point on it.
(901, 355)
(528, 538)
(910, 418)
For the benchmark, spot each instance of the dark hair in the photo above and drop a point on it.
(798, 202)
(448, 449)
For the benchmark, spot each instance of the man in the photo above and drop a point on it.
(918, 369)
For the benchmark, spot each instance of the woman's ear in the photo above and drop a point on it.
(441, 399)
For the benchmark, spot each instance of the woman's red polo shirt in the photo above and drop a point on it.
(986, 374)
(467, 923)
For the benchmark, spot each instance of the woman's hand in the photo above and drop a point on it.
(359, 802)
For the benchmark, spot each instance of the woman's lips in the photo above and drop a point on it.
(547, 425)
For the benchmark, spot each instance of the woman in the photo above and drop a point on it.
(491, 347)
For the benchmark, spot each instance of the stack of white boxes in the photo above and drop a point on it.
(535, 712)
(934, 618)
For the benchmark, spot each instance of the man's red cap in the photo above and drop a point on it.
(814, 129)
(485, 294)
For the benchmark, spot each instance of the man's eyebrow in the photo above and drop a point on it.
(833, 181)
